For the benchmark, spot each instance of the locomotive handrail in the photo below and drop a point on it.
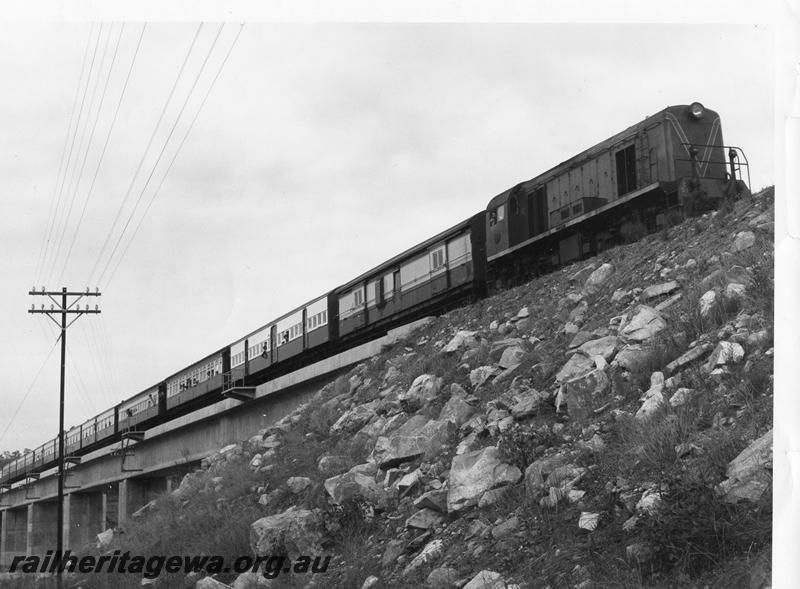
(739, 155)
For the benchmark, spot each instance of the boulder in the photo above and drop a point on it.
(598, 278)
(580, 338)
(743, 241)
(330, 464)
(456, 410)
(725, 353)
(588, 521)
(750, 473)
(653, 399)
(417, 437)
(605, 346)
(409, 481)
(735, 292)
(658, 290)
(474, 473)
(424, 389)
(296, 530)
(432, 551)
(425, 519)
(688, 357)
(578, 364)
(539, 470)
(681, 397)
(486, 579)
(708, 304)
(481, 374)
(505, 528)
(632, 357)
(644, 323)
(355, 418)
(104, 538)
(666, 304)
(355, 484)
(393, 550)
(528, 403)
(583, 394)
(435, 499)
(442, 578)
(462, 339)
(298, 484)
(512, 356)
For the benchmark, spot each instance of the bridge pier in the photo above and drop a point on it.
(42, 527)
(135, 493)
(83, 519)
(14, 536)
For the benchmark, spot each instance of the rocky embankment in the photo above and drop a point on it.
(607, 425)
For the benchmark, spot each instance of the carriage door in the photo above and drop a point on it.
(438, 265)
(537, 210)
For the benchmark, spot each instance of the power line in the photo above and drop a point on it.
(144, 155)
(28, 391)
(80, 163)
(177, 151)
(102, 154)
(51, 211)
(75, 135)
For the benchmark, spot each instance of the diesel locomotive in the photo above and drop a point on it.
(672, 163)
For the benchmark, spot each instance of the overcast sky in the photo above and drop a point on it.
(322, 150)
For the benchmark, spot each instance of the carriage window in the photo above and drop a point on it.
(388, 287)
(437, 259)
(358, 298)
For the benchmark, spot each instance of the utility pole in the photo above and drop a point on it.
(64, 308)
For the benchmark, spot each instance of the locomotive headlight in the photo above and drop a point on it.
(696, 110)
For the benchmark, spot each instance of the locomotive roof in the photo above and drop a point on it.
(589, 153)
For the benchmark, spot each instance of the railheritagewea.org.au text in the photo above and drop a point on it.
(153, 566)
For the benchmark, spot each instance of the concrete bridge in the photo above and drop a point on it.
(106, 487)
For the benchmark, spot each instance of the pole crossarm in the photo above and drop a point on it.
(63, 308)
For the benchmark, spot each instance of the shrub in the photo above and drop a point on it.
(694, 531)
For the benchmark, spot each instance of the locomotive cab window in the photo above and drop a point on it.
(501, 212)
(626, 170)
